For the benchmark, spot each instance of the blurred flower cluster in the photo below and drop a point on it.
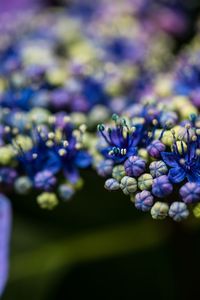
(65, 72)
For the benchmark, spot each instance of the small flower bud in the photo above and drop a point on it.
(105, 167)
(143, 201)
(23, 185)
(178, 211)
(145, 181)
(161, 187)
(168, 119)
(155, 148)
(128, 185)
(65, 192)
(159, 210)
(190, 192)
(118, 172)
(47, 200)
(44, 180)
(111, 184)
(158, 168)
(134, 166)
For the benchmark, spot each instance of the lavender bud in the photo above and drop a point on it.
(145, 181)
(155, 148)
(65, 192)
(190, 192)
(44, 180)
(178, 211)
(7, 176)
(143, 201)
(105, 167)
(134, 166)
(196, 211)
(161, 187)
(111, 184)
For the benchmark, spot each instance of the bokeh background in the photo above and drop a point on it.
(98, 246)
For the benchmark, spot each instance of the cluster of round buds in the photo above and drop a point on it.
(164, 178)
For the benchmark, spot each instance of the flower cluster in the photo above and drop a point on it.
(62, 72)
(45, 159)
(163, 176)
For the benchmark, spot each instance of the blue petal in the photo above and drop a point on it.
(5, 225)
(132, 151)
(176, 175)
(170, 159)
(83, 159)
(192, 153)
(71, 174)
(53, 163)
(193, 177)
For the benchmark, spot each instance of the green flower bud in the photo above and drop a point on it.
(196, 211)
(143, 154)
(6, 155)
(78, 118)
(98, 114)
(128, 185)
(24, 142)
(39, 115)
(159, 211)
(23, 185)
(118, 172)
(47, 200)
(145, 181)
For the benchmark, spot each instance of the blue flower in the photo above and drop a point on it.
(121, 140)
(184, 163)
(54, 156)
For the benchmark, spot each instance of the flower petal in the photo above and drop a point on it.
(176, 175)
(170, 159)
(193, 177)
(83, 159)
(71, 174)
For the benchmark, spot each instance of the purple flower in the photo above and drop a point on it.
(155, 148)
(161, 187)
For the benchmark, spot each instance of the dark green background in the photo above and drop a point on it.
(98, 246)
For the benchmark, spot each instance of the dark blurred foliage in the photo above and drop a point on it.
(98, 246)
